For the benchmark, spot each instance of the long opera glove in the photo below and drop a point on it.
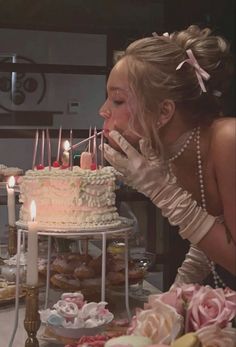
(147, 172)
(194, 268)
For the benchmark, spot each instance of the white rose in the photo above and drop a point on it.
(162, 324)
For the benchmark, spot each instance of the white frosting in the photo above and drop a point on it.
(82, 198)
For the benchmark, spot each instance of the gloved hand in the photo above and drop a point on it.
(138, 170)
(147, 172)
(194, 268)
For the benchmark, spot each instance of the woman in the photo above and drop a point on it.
(168, 140)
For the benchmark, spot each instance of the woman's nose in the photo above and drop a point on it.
(105, 112)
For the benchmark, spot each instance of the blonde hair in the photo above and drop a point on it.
(153, 77)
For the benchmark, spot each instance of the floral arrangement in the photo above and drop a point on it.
(188, 315)
(204, 313)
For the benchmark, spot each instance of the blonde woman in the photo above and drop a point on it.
(168, 139)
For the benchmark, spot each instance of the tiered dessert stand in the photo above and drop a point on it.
(122, 231)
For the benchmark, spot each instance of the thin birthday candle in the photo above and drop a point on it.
(35, 148)
(84, 141)
(102, 149)
(71, 152)
(42, 148)
(59, 145)
(90, 133)
(95, 147)
(49, 149)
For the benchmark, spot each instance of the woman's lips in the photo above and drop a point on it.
(106, 132)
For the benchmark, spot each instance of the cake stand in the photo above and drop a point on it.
(123, 230)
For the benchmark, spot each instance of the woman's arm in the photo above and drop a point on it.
(147, 173)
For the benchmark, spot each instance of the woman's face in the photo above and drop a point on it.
(119, 105)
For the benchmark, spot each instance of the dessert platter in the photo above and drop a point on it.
(74, 317)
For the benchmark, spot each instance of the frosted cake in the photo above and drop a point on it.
(70, 198)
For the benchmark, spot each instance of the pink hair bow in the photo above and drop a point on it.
(201, 74)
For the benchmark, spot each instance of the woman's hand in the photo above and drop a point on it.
(145, 171)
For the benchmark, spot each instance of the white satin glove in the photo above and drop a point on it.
(147, 172)
(142, 171)
(194, 268)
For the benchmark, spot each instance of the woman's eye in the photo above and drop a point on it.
(118, 102)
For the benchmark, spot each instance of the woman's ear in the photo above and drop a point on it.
(167, 110)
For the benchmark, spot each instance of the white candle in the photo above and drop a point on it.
(11, 201)
(65, 155)
(32, 256)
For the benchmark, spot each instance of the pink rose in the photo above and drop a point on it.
(188, 290)
(162, 324)
(214, 336)
(173, 298)
(209, 306)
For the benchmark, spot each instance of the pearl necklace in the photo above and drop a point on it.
(196, 135)
(217, 280)
(190, 136)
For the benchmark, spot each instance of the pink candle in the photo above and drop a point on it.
(59, 145)
(49, 149)
(42, 148)
(35, 148)
(95, 147)
(89, 145)
(102, 149)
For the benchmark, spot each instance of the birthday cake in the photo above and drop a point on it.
(65, 198)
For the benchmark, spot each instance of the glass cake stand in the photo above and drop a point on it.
(123, 230)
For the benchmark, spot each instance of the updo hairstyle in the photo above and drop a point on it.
(153, 77)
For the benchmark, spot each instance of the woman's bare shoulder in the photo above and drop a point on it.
(223, 141)
(224, 127)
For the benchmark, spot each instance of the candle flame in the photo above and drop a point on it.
(33, 210)
(11, 182)
(66, 145)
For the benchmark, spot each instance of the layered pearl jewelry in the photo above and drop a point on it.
(217, 280)
(182, 149)
(195, 134)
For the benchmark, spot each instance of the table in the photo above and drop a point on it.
(7, 315)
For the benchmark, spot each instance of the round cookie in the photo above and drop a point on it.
(129, 340)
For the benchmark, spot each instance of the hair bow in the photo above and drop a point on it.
(201, 74)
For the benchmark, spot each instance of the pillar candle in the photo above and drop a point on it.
(65, 155)
(11, 201)
(32, 256)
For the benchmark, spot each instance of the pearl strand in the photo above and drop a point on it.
(217, 280)
(182, 149)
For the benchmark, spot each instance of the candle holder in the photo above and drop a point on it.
(12, 240)
(32, 319)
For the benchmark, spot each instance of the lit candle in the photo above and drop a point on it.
(35, 149)
(71, 151)
(32, 256)
(11, 201)
(49, 149)
(65, 154)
